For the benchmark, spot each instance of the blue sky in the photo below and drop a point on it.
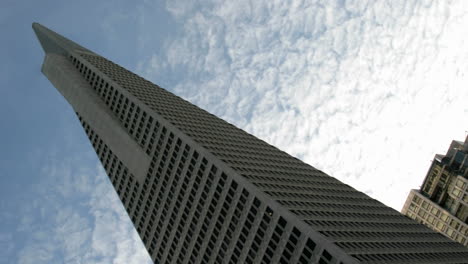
(367, 91)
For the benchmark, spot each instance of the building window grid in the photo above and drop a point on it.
(132, 118)
(338, 224)
(346, 236)
(313, 192)
(128, 118)
(149, 127)
(218, 240)
(327, 258)
(156, 154)
(155, 185)
(441, 222)
(320, 195)
(231, 223)
(116, 171)
(153, 180)
(180, 223)
(291, 249)
(257, 236)
(114, 99)
(166, 183)
(154, 136)
(241, 222)
(285, 237)
(399, 258)
(335, 207)
(205, 208)
(309, 178)
(401, 246)
(182, 175)
(299, 188)
(223, 215)
(214, 218)
(308, 247)
(262, 235)
(196, 202)
(307, 199)
(190, 168)
(276, 233)
(307, 214)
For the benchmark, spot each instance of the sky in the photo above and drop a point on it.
(367, 91)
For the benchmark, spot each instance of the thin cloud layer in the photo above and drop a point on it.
(75, 217)
(362, 90)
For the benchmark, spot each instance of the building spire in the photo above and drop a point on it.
(52, 42)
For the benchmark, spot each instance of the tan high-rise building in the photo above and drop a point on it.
(200, 190)
(442, 201)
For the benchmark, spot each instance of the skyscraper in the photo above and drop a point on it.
(200, 190)
(442, 201)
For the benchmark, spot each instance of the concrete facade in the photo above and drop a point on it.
(199, 190)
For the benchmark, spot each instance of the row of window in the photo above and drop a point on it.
(307, 214)
(311, 178)
(409, 257)
(136, 121)
(239, 150)
(154, 191)
(358, 225)
(395, 246)
(431, 215)
(317, 193)
(427, 211)
(266, 165)
(328, 198)
(460, 191)
(394, 236)
(273, 184)
(123, 181)
(262, 160)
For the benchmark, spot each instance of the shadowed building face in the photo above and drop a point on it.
(199, 190)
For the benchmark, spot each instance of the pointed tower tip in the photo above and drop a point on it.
(36, 26)
(52, 42)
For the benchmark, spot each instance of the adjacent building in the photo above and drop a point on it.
(200, 190)
(442, 201)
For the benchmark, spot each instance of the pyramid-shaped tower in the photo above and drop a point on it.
(200, 190)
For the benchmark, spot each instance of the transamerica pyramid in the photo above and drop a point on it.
(200, 190)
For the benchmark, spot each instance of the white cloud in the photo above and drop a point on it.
(76, 217)
(363, 90)
(36, 253)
